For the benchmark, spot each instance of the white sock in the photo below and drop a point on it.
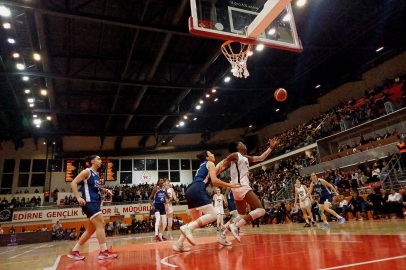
(181, 240)
(160, 235)
(307, 221)
(193, 225)
(312, 220)
(103, 247)
(338, 216)
(326, 222)
(77, 247)
(241, 223)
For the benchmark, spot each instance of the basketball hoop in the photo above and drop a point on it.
(238, 61)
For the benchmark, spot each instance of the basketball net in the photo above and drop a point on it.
(238, 61)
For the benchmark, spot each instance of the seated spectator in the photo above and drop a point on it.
(44, 229)
(12, 230)
(383, 204)
(357, 204)
(22, 230)
(293, 211)
(395, 203)
(39, 229)
(376, 172)
(57, 226)
(81, 231)
(270, 214)
(73, 235)
(342, 206)
(109, 228)
(36, 191)
(26, 191)
(372, 203)
(1, 230)
(315, 209)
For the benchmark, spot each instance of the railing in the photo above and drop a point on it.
(394, 178)
(288, 190)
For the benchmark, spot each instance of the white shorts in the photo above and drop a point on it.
(305, 204)
(219, 210)
(168, 208)
(239, 193)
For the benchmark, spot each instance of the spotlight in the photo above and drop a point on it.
(286, 18)
(25, 78)
(6, 25)
(277, 110)
(198, 107)
(207, 95)
(49, 118)
(20, 66)
(250, 53)
(37, 56)
(43, 92)
(194, 119)
(216, 99)
(4, 12)
(301, 3)
(37, 121)
(44, 143)
(163, 141)
(32, 105)
(27, 91)
(181, 123)
(53, 143)
(260, 47)
(177, 125)
(250, 126)
(185, 117)
(272, 31)
(11, 41)
(16, 55)
(30, 100)
(35, 116)
(37, 126)
(318, 86)
(380, 49)
(227, 79)
(170, 141)
(201, 101)
(213, 90)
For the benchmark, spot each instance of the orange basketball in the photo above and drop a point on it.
(281, 94)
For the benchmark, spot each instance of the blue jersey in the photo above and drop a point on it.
(321, 189)
(159, 196)
(202, 174)
(230, 196)
(91, 187)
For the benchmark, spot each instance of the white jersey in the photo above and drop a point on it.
(218, 201)
(239, 170)
(301, 192)
(170, 193)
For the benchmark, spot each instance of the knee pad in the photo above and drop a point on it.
(257, 213)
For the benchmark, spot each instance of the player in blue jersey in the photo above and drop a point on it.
(324, 189)
(159, 195)
(232, 209)
(91, 201)
(198, 201)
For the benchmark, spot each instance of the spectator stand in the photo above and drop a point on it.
(395, 177)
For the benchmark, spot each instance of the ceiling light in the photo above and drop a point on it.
(250, 126)
(32, 105)
(250, 53)
(20, 66)
(170, 141)
(11, 41)
(286, 18)
(277, 110)
(27, 91)
(227, 79)
(185, 117)
(194, 119)
(213, 90)
(177, 125)
(37, 121)
(198, 107)
(207, 95)
(37, 56)
(53, 143)
(272, 31)
(30, 100)
(163, 141)
(216, 99)
(4, 12)
(201, 101)
(6, 25)
(35, 116)
(49, 117)
(43, 92)
(318, 86)
(44, 143)
(260, 47)
(181, 123)
(16, 55)
(380, 49)
(25, 78)
(301, 3)
(37, 126)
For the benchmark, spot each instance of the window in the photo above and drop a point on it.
(195, 164)
(8, 166)
(150, 164)
(139, 164)
(126, 165)
(175, 177)
(185, 164)
(55, 165)
(23, 180)
(7, 181)
(163, 165)
(126, 178)
(39, 165)
(163, 175)
(25, 165)
(174, 164)
(38, 180)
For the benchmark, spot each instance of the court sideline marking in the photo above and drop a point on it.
(355, 264)
(55, 264)
(14, 249)
(30, 251)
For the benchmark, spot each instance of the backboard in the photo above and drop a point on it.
(267, 22)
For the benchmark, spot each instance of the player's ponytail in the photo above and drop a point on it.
(202, 156)
(232, 147)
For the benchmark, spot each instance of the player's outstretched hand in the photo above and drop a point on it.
(177, 200)
(236, 185)
(273, 143)
(81, 202)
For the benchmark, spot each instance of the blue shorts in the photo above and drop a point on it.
(231, 205)
(160, 207)
(91, 209)
(196, 195)
(328, 198)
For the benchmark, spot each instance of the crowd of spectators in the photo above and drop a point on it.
(17, 202)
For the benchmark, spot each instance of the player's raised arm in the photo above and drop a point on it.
(222, 165)
(215, 180)
(272, 144)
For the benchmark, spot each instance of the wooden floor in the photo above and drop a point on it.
(354, 245)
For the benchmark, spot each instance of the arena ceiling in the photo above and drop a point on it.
(125, 68)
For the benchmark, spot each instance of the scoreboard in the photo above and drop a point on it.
(107, 171)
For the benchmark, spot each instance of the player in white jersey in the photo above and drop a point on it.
(302, 191)
(239, 170)
(168, 206)
(219, 199)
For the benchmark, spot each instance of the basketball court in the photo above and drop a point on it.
(353, 245)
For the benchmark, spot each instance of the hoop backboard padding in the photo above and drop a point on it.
(246, 21)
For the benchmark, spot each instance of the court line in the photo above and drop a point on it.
(368, 262)
(30, 251)
(14, 249)
(55, 264)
